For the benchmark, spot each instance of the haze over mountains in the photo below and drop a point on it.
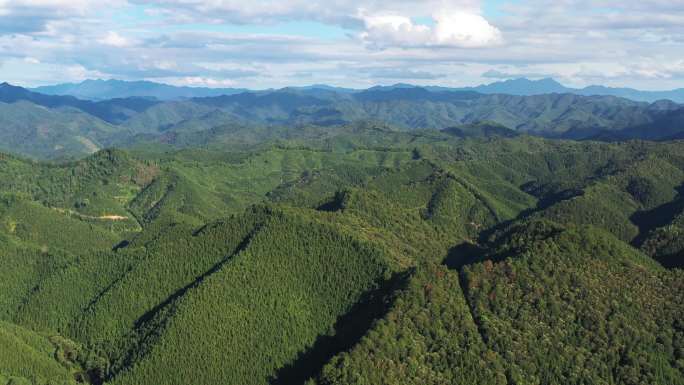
(523, 86)
(342, 209)
(110, 89)
(519, 232)
(53, 126)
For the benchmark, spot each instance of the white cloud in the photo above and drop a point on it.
(34, 16)
(466, 30)
(382, 31)
(341, 12)
(451, 29)
(448, 42)
(79, 73)
(199, 81)
(11, 6)
(115, 40)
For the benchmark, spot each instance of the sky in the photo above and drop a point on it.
(277, 43)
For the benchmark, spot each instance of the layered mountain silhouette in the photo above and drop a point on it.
(40, 125)
(110, 89)
(523, 86)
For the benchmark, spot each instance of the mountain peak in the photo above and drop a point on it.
(523, 86)
(549, 81)
(12, 89)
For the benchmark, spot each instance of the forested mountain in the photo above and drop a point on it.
(353, 254)
(110, 89)
(112, 111)
(113, 89)
(47, 126)
(526, 87)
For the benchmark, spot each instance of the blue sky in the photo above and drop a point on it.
(263, 44)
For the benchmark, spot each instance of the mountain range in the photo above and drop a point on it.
(318, 236)
(523, 86)
(51, 126)
(111, 89)
(372, 256)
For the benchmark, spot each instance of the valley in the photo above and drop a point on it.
(383, 257)
(64, 127)
(348, 192)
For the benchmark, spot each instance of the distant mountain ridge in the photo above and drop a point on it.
(111, 89)
(115, 110)
(527, 87)
(49, 126)
(523, 87)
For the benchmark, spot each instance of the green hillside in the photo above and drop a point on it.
(64, 127)
(30, 358)
(351, 255)
(564, 306)
(38, 131)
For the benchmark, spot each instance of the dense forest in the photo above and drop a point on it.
(354, 254)
(64, 127)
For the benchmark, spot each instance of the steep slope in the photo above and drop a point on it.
(562, 306)
(39, 132)
(379, 257)
(96, 189)
(556, 305)
(429, 337)
(29, 358)
(310, 279)
(29, 222)
(112, 111)
(668, 126)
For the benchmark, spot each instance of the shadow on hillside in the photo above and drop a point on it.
(349, 329)
(148, 328)
(121, 245)
(544, 202)
(335, 204)
(660, 216)
(672, 261)
(464, 254)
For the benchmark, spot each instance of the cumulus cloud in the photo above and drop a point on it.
(383, 23)
(451, 29)
(454, 42)
(382, 31)
(465, 29)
